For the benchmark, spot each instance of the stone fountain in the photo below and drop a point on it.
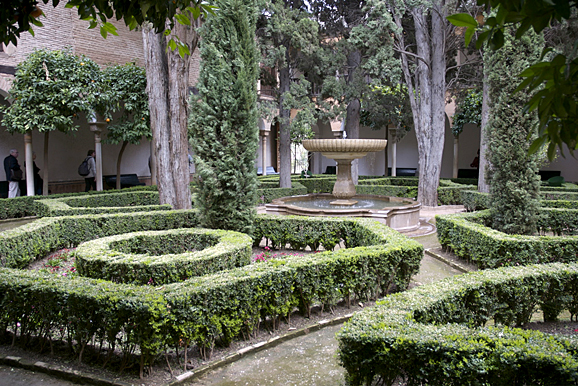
(344, 151)
(399, 213)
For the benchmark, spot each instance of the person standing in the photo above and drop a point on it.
(90, 180)
(13, 173)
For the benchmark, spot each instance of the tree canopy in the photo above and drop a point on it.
(554, 82)
(17, 16)
(51, 88)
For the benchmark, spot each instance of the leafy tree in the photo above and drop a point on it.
(164, 25)
(287, 37)
(359, 50)
(51, 88)
(469, 110)
(514, 180)
(223, 123)
(554, 83)
(128, 82)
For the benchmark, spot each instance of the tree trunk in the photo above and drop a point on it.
(284, 131)
(426, 89)
(118, 162)
(483, 161)
(352, 130)
(353, 110)
(167, 85)
(45, 166)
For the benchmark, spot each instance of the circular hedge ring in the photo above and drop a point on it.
(162, 257)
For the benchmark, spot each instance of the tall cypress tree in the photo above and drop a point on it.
(223, 123)
(514, 180)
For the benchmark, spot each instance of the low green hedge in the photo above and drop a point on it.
(434, 334)
(270, 190)
(467, 235)
(162, 257)
(25, 206)
(201, 309)
(135, 201)
(474, 200)
(20, 246)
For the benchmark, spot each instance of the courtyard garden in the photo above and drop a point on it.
(154, 282)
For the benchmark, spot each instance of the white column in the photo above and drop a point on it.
(264, 134)
(393, 132)
(29, 163)
(96, 126)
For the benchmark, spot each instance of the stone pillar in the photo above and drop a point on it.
(344, 187)
(264, 130)
(393, 131)
(96, 126)
(455, 165)
(264, 134)
(29, 164)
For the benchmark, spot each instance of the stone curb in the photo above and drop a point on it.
(446, 261)
(191, 375)
(79, 377)
(58, 371)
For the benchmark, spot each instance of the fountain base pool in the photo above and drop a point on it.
(401, 214)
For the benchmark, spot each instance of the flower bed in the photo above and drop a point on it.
(434, 334)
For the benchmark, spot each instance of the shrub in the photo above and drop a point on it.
(162, 257)
(434, 334)
(469, 237)
(202, 309)
(136, 201)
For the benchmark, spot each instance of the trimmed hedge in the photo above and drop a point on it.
(468, 237)
(474, 200)
(434, 334)
(162, 257)
(25, 206)
(20, 246)
(270, 190)
(135, 201)
(201, 309)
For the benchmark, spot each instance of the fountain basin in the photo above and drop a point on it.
(401, 214)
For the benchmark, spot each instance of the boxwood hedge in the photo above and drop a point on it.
(135, 201)
(200, 310)
(162, 257)
(467, 235)
(25, 206)
(435, 334)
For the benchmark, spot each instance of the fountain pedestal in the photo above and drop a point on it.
(344, 151)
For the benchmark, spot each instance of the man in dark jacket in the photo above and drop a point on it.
(13, 173)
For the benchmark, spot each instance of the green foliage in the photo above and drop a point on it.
(270, 191)
(24, 206)
(134, 201)
(469, 110)
(128, 82)
(201, 309)
(434, 334)
(514, 182)
(469, 237)
(162, 257)
(223, 122)
(22, 245)
(51, 88)
(552, 82)
(385, 105)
